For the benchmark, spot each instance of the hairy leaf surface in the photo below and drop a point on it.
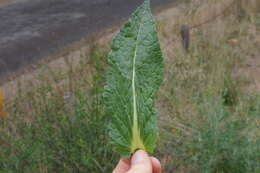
(134, 75)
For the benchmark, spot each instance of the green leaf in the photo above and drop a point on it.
(134, 75)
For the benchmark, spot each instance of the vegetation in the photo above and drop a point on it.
(58, 126)
(213, 127)
(3, 113)
(209, 112)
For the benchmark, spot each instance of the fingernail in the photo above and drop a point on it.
(138, 157)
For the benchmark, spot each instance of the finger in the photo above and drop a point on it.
(140, 163)
(156, 165)
(123, 166)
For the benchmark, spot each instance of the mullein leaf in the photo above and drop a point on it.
(134, 75)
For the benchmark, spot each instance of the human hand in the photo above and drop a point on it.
(139, 163)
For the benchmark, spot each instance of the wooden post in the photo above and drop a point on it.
(185, 35)
(241, 13)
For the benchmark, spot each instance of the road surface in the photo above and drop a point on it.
(34, 29)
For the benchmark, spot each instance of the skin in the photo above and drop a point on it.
(140, 162)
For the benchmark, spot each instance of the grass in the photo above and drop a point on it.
(212, 125)
(209, 123)
(64, 129)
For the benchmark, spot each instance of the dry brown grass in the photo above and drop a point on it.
(251, 6)
(213, 25)
(233, 46)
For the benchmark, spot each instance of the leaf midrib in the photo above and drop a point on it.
(136, 141)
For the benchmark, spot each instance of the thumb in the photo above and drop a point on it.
(140, 163)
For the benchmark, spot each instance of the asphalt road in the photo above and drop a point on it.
(34, 29)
